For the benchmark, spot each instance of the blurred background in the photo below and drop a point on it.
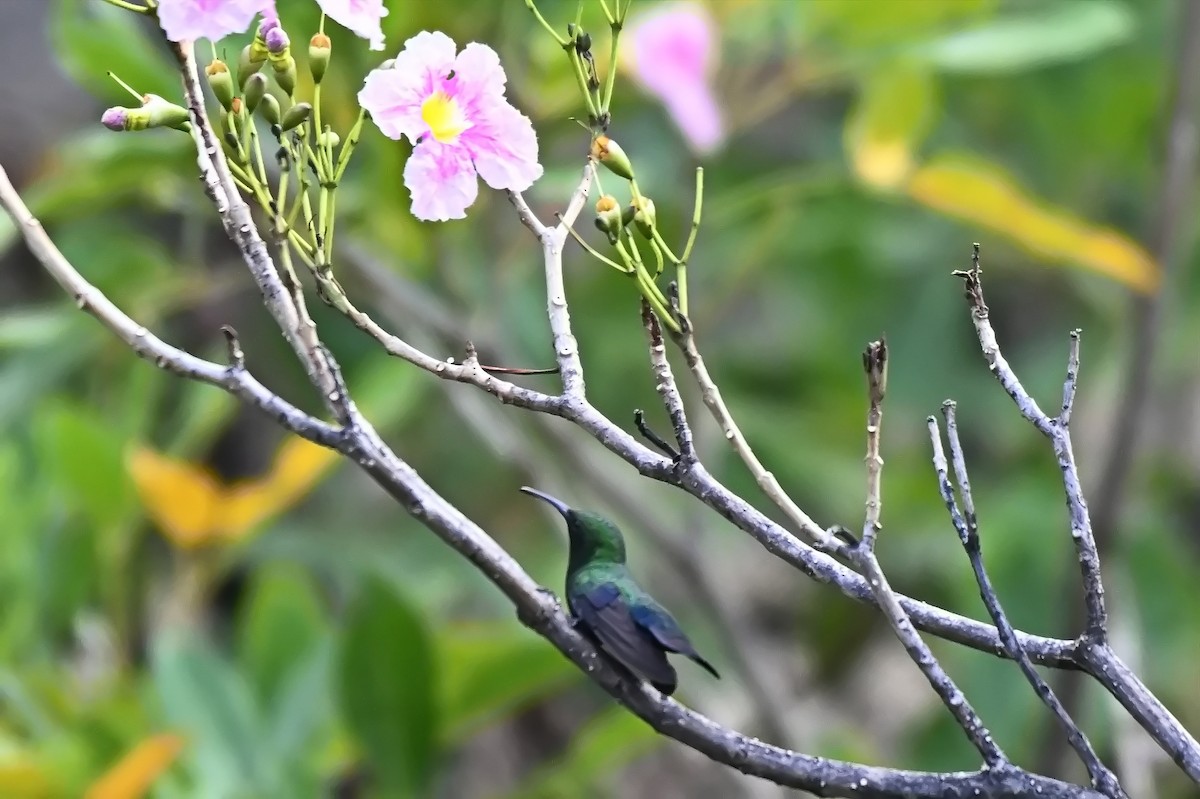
(193, 604)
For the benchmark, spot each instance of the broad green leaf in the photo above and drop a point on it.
(486, 671)
(302, 706)
(212, 704)
(388, 688)
(95, 38)
(607, 743)
(980, 192)
(85, 458)
(1055, 32)
(895, 110)
(281, 621)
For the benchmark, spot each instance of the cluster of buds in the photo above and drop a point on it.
(270, 45)
(639, 248)
(609, 217)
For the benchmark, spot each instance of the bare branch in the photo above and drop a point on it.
(967, 526)
(667, 388)
(1060, 437)
(863, 554)
(875, 365)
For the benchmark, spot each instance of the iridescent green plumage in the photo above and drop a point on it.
(609, 606)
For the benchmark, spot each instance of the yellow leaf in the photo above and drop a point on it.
(298, 466)
(895, 109)
(980, 192)
(182, 499)
(134, 773)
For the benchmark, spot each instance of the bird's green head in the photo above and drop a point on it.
(593, 537)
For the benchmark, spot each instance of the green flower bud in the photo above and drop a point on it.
(254, 90)
(329, 139)
(165, 114)
(285, 75)
(609, 153)
(296, 115)
(269, 109)
(248, 65)
(608, 217)
(220, 81)
(319, 50)
(644, 217)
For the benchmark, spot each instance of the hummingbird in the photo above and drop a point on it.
(608, 605)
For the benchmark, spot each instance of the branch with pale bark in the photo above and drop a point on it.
(678, 464)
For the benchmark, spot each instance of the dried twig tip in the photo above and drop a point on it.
(875, 361)
(237, 358)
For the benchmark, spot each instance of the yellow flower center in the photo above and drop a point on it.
(443, 116)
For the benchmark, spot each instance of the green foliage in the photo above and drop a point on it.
(387, 684)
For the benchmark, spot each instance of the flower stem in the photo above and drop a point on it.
(581, 79)
(615, 24)
(348, 146)
(594, 253)
(538, 14)
(134, 7)
(681, 266)
(125, 85)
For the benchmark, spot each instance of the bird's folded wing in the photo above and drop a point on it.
(662, 625)
(609, 618)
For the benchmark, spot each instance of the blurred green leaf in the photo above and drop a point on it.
(388, 689)
(487, 670)
(213, 704)
(1055, 32)
(281, 622)
(84, 456)
(301, 710)
(598, 751)
(94, 38)
(34, 327)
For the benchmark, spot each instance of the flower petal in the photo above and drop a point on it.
(504, 147)
(363, 17)
(478, 77)
(695, 112)
(442, 181)
(674, 50)
(394, 96)
(207, 19)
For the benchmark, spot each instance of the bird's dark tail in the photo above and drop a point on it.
(705, 664)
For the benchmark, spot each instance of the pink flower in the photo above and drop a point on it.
(208, 19)
(363, 17)
(452, 108)
(673, 50)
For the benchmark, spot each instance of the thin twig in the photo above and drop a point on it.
(863, 554)
(1060, 438)
(566, 348)
(660, 443)
(875, 365)
(966, 524)
(667, 388)
(711, 395)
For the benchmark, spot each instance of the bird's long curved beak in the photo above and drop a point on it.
(557, 504)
